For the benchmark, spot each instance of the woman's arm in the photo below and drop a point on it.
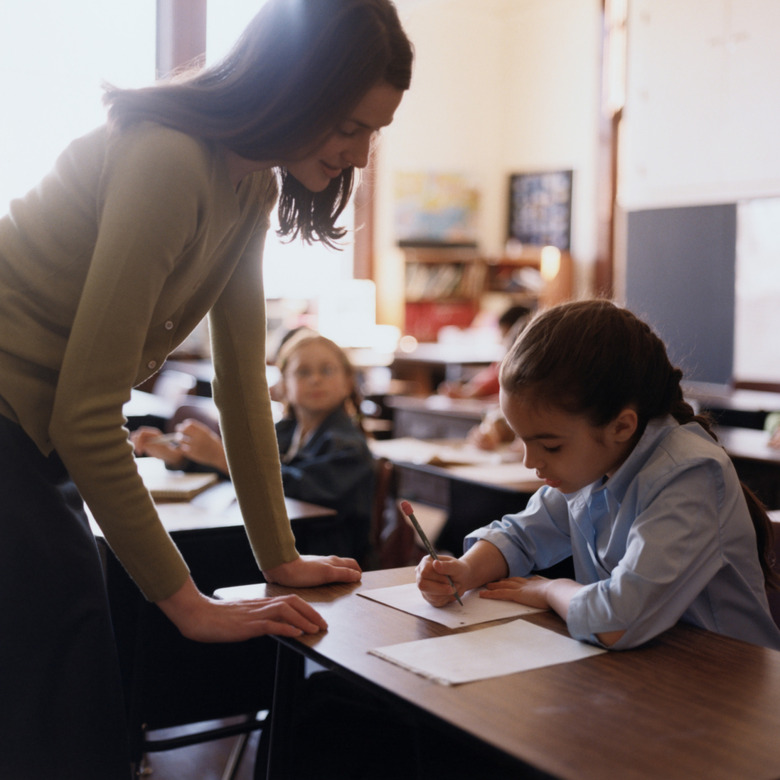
(238, 329)
(146, 213)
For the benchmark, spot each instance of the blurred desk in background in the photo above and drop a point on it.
(757, 464)
(428, 365)
(472, 486)
(732, 406)
(437, 416)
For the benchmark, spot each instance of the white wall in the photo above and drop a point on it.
(499, 87)
(700, 128)
(702, 115)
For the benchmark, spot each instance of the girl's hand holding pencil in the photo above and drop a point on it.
(406, 508)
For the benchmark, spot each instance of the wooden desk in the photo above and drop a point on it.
(757, 464)
(430, 364)
(748, 444)
(689, 704)
(147, 409)
(436, 416)
(214, 515)
(733, 406)
(471, 494)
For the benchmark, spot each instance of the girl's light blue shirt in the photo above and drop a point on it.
(668, 537)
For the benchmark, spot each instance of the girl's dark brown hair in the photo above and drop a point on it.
(593, 358)
(298, 70)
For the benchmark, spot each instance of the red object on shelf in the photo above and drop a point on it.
(424, 319)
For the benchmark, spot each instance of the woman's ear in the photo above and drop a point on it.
(624, 426)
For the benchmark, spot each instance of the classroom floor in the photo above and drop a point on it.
(206, 761)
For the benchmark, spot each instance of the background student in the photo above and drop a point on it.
(485, 382)
(144, 226)
(772, 426)
(325, 455)
(638, 492)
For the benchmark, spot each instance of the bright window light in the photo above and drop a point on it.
(54, 57)
(290, 270)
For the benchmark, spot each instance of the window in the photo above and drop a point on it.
(292, 271)
(54, 57)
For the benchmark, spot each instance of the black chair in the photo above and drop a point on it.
(170, 681)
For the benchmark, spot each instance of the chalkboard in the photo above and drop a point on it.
(680, 278)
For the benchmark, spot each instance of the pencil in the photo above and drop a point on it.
(166, 438)
(406, 508)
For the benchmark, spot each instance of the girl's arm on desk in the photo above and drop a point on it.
(483, 564)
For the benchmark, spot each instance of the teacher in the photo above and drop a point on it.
(145, 226)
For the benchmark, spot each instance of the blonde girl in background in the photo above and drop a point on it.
(325, 457)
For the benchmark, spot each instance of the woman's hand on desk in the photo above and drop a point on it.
(211, 620)
(310, 570)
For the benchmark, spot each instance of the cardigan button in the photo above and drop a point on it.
(152, 364)
(169, 325)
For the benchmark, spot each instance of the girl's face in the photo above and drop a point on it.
(315, 381)
(349, 145)
(566, 450)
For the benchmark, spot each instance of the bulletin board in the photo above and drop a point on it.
(540, 208)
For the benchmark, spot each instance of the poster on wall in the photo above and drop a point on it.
(435, 209)
(540, 208)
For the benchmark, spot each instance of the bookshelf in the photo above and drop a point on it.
(450, 285)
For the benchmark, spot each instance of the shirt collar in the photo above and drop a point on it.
(657, 429)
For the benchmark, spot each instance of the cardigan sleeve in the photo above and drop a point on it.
(238, 330)
(148, 210)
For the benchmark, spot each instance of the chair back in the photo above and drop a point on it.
(392, 537)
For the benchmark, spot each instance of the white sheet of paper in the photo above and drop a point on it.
(475, 610)
(488, 652)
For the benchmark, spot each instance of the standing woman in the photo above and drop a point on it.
(143, 227)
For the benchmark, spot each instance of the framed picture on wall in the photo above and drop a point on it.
(435, 209)
(540, 208)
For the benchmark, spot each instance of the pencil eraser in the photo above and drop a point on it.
(406, 508)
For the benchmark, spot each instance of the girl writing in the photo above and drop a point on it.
(638, 493)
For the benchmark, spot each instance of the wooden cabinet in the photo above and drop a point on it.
(450, 286)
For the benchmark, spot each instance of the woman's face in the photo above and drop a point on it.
(349, 145)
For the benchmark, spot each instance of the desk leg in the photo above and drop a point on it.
(281, 744)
